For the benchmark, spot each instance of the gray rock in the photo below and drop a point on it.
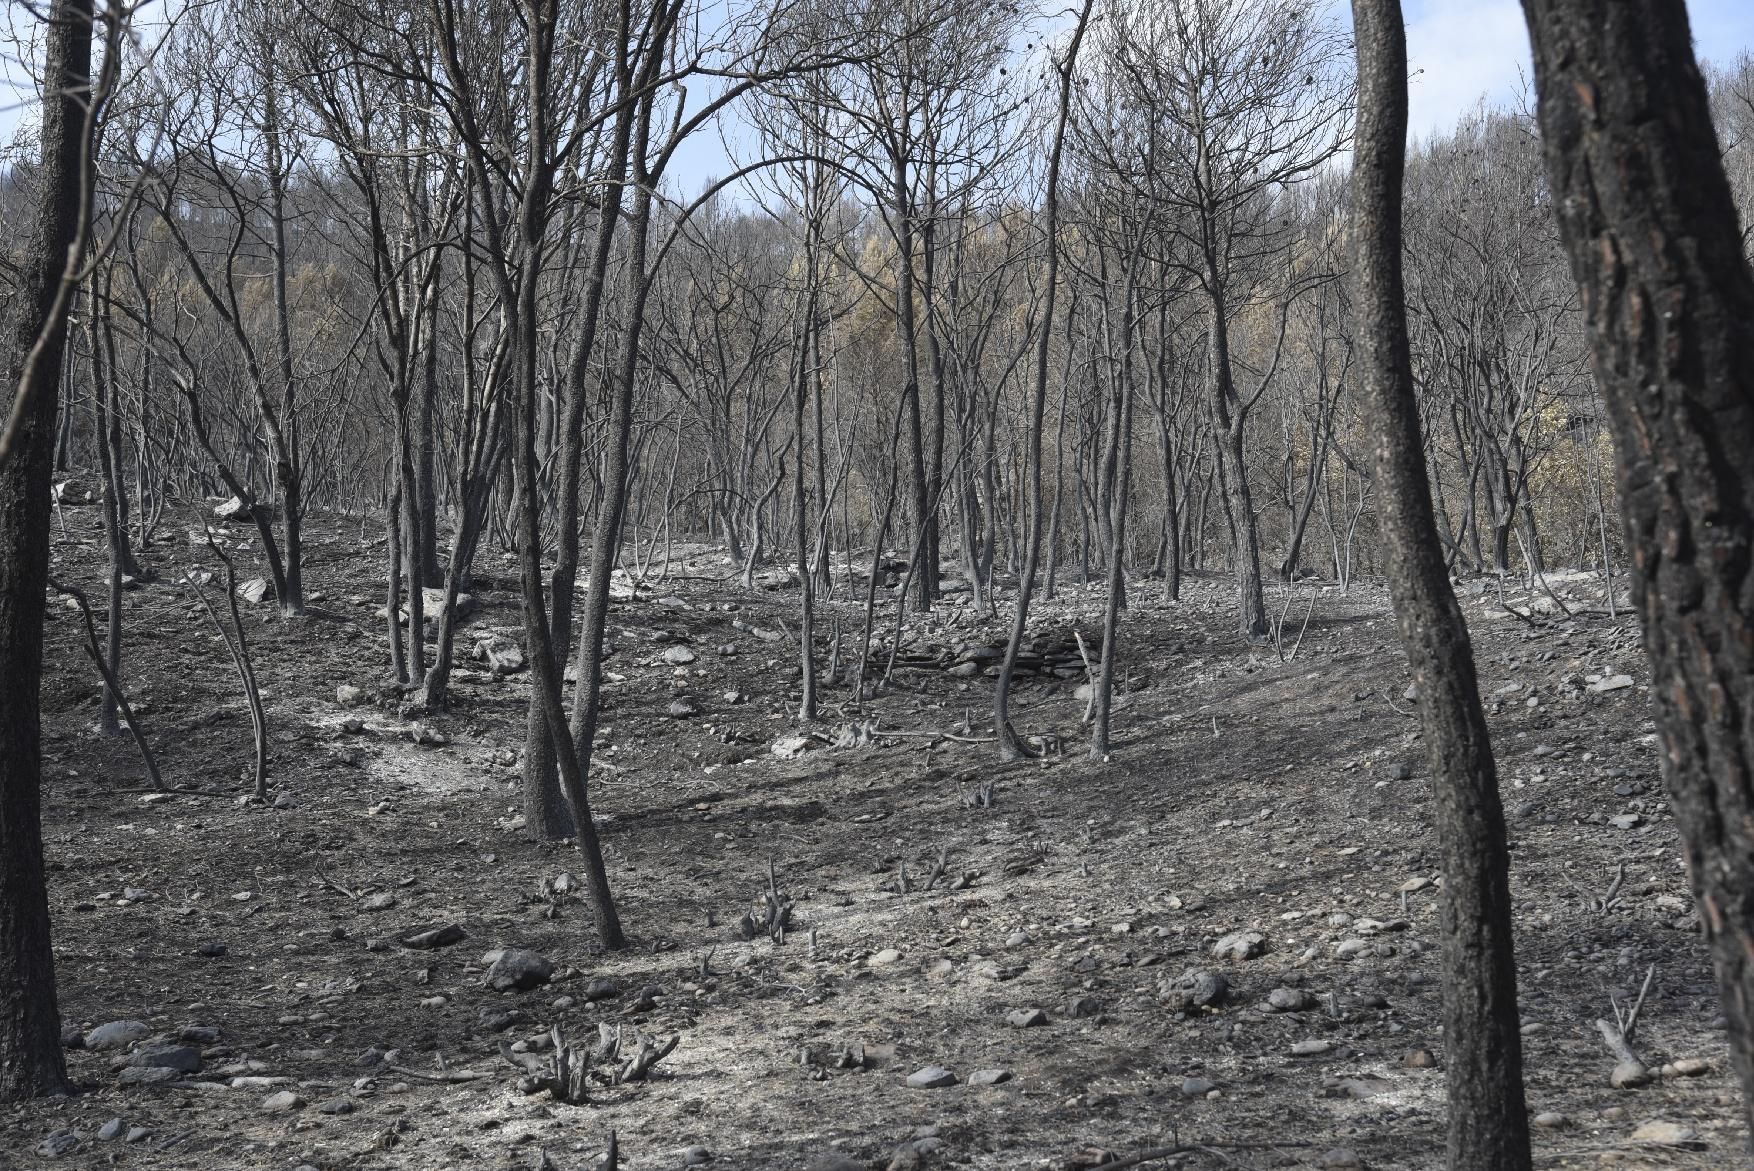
(1290, 1000)
(281, 1102)
(149, 1075)
(1240, 945)
(435, 937)
(1027, 1018)
(348, 695)
(1551, 1120)
(256, 590)
(1612, 683)
(933, 1077)
(336, 1106)
(682, 707)
(1083, 1008)
(112, 1130)
(989, 1077)
(696, 1156)
(1197, 1087)
(502, 655)
(1193, 989)
(117, 1035)
(602, 988)
(518, 970)
(58, 1143)
(383, 900)
(137, 1134)
(1658, 1133)
(182, 1058)
(1314, 1047)
(678, 656)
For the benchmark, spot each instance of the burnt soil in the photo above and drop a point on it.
(1245, 792)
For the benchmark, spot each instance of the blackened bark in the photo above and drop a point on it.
(30, 1024)
(1646, 215)
(1488, 1126)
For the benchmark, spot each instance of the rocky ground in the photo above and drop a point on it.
(1224, 937)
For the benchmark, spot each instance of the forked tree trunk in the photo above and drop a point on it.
(1647, 217)
(30, 1022)
(1488, 1125)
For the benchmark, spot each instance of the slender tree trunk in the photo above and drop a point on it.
(1646, 214)
(1488, 1125)
(1009, 746)
(31, 1062)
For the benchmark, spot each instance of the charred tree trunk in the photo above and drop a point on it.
(1646, 214)
(1488, 1126)
(31, 1063)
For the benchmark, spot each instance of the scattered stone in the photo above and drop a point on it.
(787, 747)
(435, 937)
(117, 1035)
(427, 736)
(1657, 1133)
(211, 948)
(149, 1075)
(182, 1058)
(1348, 948)
(682, 707)
(1414, 885)
(1313, 1047)
(256, 590)
(281, 1102)
(678, 656)
(381, 901)
(336, 1106)
(989, 1077)
(1239, 946)
(1629, 1075)
(1340, 1159)
(501, 654)
(933, 1077)
(1420, 1059)
(1193, 989)
(517, 970)
(1612, 683)
(1551, 1120)
(696, 1156)
(1027, 1018)
(1691, 1067)
(58, 1143)
(1197, 1087)
(887, 956)
(112, 1130)
(1084, 1007)
(348, 695)
(601, 988)
(1290, 1000)
(137, 1134)
(1626, 821)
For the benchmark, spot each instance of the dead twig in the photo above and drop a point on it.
(110, 681)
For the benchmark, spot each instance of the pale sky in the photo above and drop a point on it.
(1459, 50)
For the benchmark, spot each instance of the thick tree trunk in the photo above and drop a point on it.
(30, 1022)
(1488, 1126)
(1647, 217)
